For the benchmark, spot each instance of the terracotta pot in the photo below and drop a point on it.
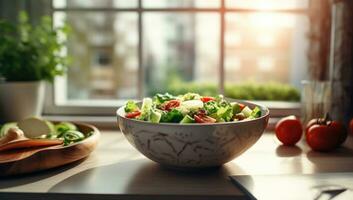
(19, 100)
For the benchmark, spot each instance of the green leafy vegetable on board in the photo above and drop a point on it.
(72, 137)
(64, 127)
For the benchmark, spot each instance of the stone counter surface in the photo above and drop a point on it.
(115, 170)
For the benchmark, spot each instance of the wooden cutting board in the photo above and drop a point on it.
(27, 160)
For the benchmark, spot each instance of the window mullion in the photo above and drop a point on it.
(221, 50)
(141, 76)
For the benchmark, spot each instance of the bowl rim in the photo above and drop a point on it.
(262, 107)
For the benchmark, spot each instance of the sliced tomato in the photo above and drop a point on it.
(170, 105)
(133, 114)
(201, 113)
(242, 106)
(204, 119)
(207, 99)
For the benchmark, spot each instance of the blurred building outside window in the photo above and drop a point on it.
(129, 49)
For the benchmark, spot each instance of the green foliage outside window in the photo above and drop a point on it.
(270, 91)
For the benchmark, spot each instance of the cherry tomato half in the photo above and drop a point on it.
(204, 119)
(133, 114)
(242, 106)
(170, 105)
(326, 135)
(207, 99)
(289, 130)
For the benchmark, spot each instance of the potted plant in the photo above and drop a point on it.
(29, 56)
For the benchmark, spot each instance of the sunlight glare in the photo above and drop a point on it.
(272, 20)
(266, 64)
(233, 63)
(266, 40)
(233, 39)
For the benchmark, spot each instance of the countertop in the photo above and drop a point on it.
(115, 170)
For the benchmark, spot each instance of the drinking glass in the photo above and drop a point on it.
(315, 99)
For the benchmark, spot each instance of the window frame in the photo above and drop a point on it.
(106, 109)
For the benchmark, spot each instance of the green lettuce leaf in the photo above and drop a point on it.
(225, 113)
(211, 107)
(130, 106)
(172, 116)
(161, 98)
(220, 109)
(146, 109)
(191, 96)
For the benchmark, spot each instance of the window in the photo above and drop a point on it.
(129, 49)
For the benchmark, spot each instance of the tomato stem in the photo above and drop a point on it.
(327, 118)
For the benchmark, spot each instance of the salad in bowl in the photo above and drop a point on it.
(191, 131)
(189, 108)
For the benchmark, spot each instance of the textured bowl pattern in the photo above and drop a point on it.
(193, 145)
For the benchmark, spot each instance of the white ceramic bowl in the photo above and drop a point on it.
(193, 145)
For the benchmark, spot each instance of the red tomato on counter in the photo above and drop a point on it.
(311, 123)
(325, 135)
(289, 130)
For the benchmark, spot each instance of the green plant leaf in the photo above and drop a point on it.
(31, 53)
